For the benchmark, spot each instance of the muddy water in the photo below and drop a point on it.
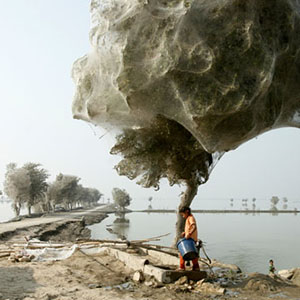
(246, 240)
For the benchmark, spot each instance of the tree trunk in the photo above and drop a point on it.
(17, 209)
(29, 209)
(186, 200)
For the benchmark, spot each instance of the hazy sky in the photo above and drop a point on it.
(40, 39)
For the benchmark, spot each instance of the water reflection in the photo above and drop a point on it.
(120, 226)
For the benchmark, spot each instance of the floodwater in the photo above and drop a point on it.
(6, 212)
(246, 240)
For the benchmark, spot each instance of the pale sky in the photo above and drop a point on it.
(40, 39)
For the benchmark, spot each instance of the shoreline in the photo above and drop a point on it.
(59, 226)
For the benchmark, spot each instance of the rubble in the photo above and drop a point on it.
(138, 276)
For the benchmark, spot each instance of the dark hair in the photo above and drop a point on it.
(185, 209)
(271, 260)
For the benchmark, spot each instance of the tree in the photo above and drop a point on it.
(64, 190)
(164, 149)
(17, 186)
(38, 184)
(91, 196)
(52, 195)
(274, 200)
(95, 196)
(150, 201)
(121, 198)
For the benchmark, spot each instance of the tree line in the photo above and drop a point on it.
(27, 186)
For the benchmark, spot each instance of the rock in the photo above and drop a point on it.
(209, 288)
(182, 280)
(94, 286)
(138, 276)
(148, 283)
(226, 81)
(12, 258)
(263, 283)
(296, 277)
(225, 268)
(286, 274)
(24, 259)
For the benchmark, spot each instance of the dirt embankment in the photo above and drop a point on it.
(63, 226)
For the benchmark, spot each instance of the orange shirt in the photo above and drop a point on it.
(190, 228)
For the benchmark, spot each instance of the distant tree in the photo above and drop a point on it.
(92, 196)
(274, 200)
(80, 197)
(97, 195)
(253, 200)
(53, 195)
(17, 186)
(38, 184)
(66, 191)
(285, 199)
(165, 149)
(66, 186)
(150, 200)
(121, 198)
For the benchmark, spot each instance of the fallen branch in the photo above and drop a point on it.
(156, 238)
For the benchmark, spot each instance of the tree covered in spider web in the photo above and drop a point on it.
(164, 149)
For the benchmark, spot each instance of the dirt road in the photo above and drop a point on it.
(48, 224)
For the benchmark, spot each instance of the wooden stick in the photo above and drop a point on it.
(155, 249)
(150, 239)
(85, 241)
(4, 255)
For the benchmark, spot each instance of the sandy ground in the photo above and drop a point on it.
(102, 277)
